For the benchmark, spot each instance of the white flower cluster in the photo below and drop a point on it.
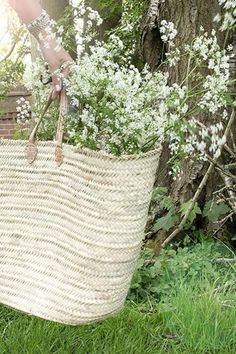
(194, 142)
(207, 139)
(93, 17)
(23, 110)
(119, 110)
(229, 17)
(84, 30)
(211, 95)
(75, 3)
(168, 32)
(32, 74)
(123, 110)
(129, 27)
(175, 171)
(173, 56)
(215, 85)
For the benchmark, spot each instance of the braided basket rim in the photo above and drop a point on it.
(89, 152)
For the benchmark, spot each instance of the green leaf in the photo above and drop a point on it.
(195, 210)
(139, 263)
(165, 222)
(214, 210)
(166, 203)
(158, 193)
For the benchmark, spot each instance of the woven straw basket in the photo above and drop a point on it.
(70, 232)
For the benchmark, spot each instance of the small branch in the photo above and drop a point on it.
(21, 54)
(202, 184)
(222, 222)
(227, 148)
(10, 51)
(226, 173)
(183, 221)
(220, 190)
(226, 200)
(232, 195)
(233, 142)
(17, 37)
(230, 166)
(220, 260)
(220, 167)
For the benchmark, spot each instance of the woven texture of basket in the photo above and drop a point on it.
(70, 234)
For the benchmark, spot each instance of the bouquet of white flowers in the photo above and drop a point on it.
(119, 109)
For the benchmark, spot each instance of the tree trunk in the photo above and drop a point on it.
(110, 13)
(55, 8)
(187, 17)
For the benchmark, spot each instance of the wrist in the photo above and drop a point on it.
(40, 27)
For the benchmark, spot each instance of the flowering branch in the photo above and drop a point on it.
(202, 184)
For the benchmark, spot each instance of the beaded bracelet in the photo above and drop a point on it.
(39, 24)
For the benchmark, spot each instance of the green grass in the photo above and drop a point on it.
(197, 317)
(131, 331)
(203, 321)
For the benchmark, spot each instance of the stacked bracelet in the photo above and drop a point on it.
(39, 24)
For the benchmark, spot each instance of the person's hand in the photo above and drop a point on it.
(55, 56)
(30, 11)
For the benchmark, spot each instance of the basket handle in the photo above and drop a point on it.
(31, 149)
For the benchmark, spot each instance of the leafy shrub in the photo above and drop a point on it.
(10, 75)
(159, 277)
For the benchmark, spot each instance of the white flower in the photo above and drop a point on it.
(23, 110)
(169, 32)
(120, 110)
(228, 18)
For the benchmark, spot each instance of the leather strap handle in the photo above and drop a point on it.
(60, 127)
(31, 149)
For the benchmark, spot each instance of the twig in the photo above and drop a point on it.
(222, 222)
(228, 174)
(220, 167)
(219, 260)
(227, 148)
(226, 200)
(10, 51)
(233, 142)
(220, 190)
(17, 38)
(230, 166)
(202, 184)
(232, 195)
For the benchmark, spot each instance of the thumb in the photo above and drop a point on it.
(56, 86)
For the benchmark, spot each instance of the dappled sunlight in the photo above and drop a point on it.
(8, 22)
(4, 37)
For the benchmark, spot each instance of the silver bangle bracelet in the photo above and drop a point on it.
(39, 24)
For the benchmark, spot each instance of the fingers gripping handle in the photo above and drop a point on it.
(31, 149)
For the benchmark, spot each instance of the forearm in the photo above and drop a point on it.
(40, 26)
(27, 10)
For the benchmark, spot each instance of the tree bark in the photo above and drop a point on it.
(110, 13)
(55, 8)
